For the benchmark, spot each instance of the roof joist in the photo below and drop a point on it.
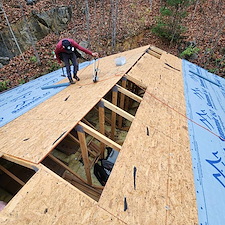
(129, 93)
(102, 138)
(118, 110)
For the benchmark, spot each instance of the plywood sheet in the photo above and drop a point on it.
(158, 146)
(34, 134)
(163, 82)
(164, 185)
(48, 199)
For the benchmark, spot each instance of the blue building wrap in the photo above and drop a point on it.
(19, 100)
(205, 106)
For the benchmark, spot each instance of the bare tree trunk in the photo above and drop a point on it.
(30, 34)
(87, 19)
(150, 4)
(114, 11)
(196, 4)
(11, 31)
(97, 23)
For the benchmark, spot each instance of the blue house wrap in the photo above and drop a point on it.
(205, 106)
(17, 101)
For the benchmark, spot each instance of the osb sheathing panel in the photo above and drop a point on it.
(158, 146)
(48, 199)
(34, 134)
(162, 81)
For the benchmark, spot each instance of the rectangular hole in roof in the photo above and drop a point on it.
(86, 156)
(12, 178)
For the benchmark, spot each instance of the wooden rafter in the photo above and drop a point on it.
(24, 163)
(137, 82)
(65, 166)
(129, 94)
(102, 127)
(114, 102)
(118, 110)
(100, 136)
(84, 152)
(122, 101)
(12, 175)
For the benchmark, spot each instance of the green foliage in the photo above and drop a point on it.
(169, 22)
(189, 51)
(22, 81)
(53, 66)
(4, 85)
(166, 11)
(33, 59)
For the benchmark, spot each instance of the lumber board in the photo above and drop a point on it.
(12, 175)
(129, 94)
(100, 137)
(118, 110)
(84, 152)
(34, 134)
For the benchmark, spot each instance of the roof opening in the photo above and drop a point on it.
(86, 156)
(12, 178)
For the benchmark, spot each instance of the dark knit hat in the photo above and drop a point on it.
(66, 44)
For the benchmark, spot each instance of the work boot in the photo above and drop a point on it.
(71, 81)
(76, 77)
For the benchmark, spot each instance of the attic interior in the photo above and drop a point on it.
(85, 157)
(13, 177)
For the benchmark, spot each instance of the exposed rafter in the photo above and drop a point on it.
(100, 136)
(129, 93)
(118, 110)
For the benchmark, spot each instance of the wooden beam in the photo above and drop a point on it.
(153, 53)
(84, 152)
(129, 93)
(101, 113)
(137, 82)
(122, 101)
(66, 167)
(157, 50)
(113, 118)
(12, 175)
(106, 119)
(118, 110)
(100, 137)
(21, 162)
(73, 138)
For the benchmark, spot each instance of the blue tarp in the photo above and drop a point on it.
(205, 104)
(17, 101)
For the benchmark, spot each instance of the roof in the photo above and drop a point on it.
(157, 146)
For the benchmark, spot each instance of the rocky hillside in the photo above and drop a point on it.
(108, 28)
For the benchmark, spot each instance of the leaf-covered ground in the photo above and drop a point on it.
(134, 19)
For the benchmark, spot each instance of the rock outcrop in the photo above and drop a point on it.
(30, 30)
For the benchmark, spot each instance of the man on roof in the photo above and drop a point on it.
(66, 51)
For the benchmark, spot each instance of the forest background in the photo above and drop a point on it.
(190, 29)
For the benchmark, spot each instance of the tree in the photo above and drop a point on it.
(169, 23)
(29, 33)
(114, 14)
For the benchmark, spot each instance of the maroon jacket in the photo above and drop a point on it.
(59, 48)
